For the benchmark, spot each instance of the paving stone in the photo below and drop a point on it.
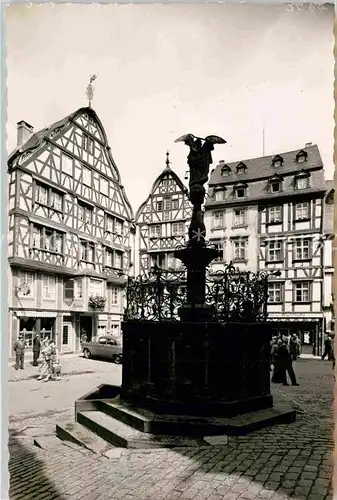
(276, 463)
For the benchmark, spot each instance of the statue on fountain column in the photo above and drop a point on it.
(199, 160)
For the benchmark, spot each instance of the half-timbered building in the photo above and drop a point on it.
(328, 241)
(267, 214)
(162, 222)
(70, 233)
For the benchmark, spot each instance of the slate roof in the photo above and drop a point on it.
(37, 138)
(259, 168)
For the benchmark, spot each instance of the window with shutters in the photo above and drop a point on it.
(175, 204)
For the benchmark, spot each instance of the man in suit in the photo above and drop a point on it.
(19, 348)
(36, 349)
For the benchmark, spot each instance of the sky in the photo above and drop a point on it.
(167, 70)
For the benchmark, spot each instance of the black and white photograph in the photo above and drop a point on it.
(170, 237)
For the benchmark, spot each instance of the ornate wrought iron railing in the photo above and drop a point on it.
(235, 295)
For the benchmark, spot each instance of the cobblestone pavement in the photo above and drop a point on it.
(285, 461)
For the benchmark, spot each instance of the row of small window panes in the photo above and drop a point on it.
(67, 165)
(113, 224)
(53, 199)
(274, 187)
(167, 204)
(301, 292)
(167, 182)
(177, 228)
(113, 258)
(27, 279)
(166, 261)
(73, 288)
(302, 249)
(47, 239)
(49, 197)
(274, 214)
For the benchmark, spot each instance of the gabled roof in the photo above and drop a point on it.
(262, 167)
(38, 138)
(167, 170)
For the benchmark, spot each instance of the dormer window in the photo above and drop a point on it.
(241, 168)
(240, 190)
(219, 194)
(225, 170)
(275, 187)
(277, 161)
(302, 180)
(301, 156)
(275, 184)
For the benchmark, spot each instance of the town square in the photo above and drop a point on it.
(170, 259)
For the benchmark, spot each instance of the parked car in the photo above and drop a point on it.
(107, 347)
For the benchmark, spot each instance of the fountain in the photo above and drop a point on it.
(196, 348)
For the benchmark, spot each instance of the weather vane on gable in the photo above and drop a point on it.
(90, 89)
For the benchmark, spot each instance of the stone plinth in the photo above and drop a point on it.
(208, 369)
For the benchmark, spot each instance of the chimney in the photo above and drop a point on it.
(25, 131)
(307, 144)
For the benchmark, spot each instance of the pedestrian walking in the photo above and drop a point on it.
(327, 348)
(55, 362)
(46, 368)
(286, 363)
(19, 348)
(36, 349)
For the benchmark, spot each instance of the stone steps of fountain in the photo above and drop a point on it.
(82, 436)
(122, 435)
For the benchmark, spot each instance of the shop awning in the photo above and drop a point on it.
(35, 314)
(293, 320)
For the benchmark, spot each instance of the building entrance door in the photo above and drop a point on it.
(67, 337)
(86, 327)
